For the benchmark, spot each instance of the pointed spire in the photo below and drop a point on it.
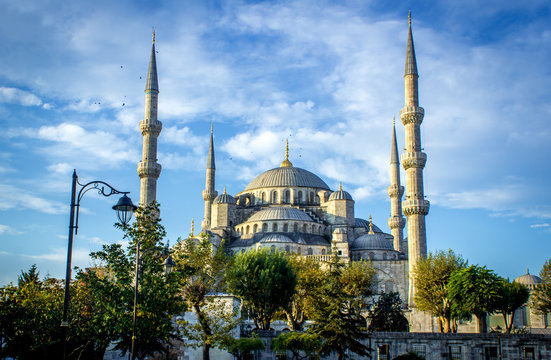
(370, 225)
(286, 162)
(152, 82)
(340, 186)
(192, 227)
(394, 148)
(210, 159)
(225, 190)
(411, 62)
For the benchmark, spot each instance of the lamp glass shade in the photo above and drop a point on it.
(124, 209)
(169, 265)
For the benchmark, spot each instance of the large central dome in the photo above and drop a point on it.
(289, 176)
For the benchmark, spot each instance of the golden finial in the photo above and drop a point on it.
(340, 186)
(153, 35)
(286, 162)
(393, 121)
(211, 126)
(409, 17)
(370, 225)
(192, 227)
(224, 189)
(528, 271)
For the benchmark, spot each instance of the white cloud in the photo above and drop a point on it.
(14, 198)
(6, 229)
(536, 226)
(18, 96)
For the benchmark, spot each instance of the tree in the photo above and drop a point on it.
(541, 295)
(341, 299)
(513, 296)
(431, 277)
(200, 270)
(475, 290)
(301, 345)
(158, 294)
(387, 314)
(244, 346)
(309, 278)
(264, 281)
(30, 318)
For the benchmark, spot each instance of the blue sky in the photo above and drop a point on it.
(327, 75)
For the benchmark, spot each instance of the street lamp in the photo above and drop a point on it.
(168, 266)
(124, 209)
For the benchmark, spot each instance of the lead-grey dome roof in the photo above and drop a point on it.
(280, 213)
(276, 238)
(365, 223)
(287, 177)
(529, 280)
(224, 199)
(375, 241)
(340, 195)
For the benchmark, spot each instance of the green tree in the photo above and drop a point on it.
(240, 348)
(264, 281)
(341, 299)
(301, 345)
(475, 290)
(30, 318)
(200, 270)
(541, 295)
(158, 294)
(387, 314)
(513, 296)
(431, 277)
(309, 278)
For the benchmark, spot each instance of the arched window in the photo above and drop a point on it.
(285, 227)
(304, 228)
(317, 199)
(311, 197)
(274, 197)
(287, 196)
(247, 229)
(255, 228)
(300, 197)
(310, 251)
(323, 251)
(274, 227)
(384, 256)
(264, 227)
(371, 256)
(295, 227)
(263, 197)
(319, 230)
(313, 229)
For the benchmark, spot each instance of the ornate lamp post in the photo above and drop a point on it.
(124, 209)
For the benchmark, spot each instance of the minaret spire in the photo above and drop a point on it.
(415, 206)
(209, 194)
(396, 221)
(286, 162)
(148, 169)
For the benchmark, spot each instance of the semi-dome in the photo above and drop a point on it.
(340, 195)
(276, 238)
(375, 241)
(365, 223)
(529, 280)
(287, 176)
(224, 198)
(280, 213)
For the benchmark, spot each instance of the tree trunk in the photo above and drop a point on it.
(440, 324)
(446, 322)
(206, 351)
(481, 322)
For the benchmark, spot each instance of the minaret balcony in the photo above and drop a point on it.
(416, 159)
(412, 114)
(415, 207)
(209, 196)
(395, 191)
(149, 169)
(396, 222)
(151, 126)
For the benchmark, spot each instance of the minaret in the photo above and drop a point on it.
(415, 206)
(148, 169)
(396, 221)
(209, 194)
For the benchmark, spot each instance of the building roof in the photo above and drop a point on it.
(280, 213)
(375, 241)
(365, 223)
(224, 198)
(528, 279)
(289, 176)
(280, 237)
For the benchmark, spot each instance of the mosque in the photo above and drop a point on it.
(294, 210)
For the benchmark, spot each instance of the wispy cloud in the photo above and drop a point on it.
(12, 197)
(21, 97)
(538, 226)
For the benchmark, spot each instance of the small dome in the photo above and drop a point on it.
(340, 195)
(529, 280)
(376, 241)
(280, 213)
(365, 223)
(224, 199)
(276, 238)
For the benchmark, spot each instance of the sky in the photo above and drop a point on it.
(326, 75)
